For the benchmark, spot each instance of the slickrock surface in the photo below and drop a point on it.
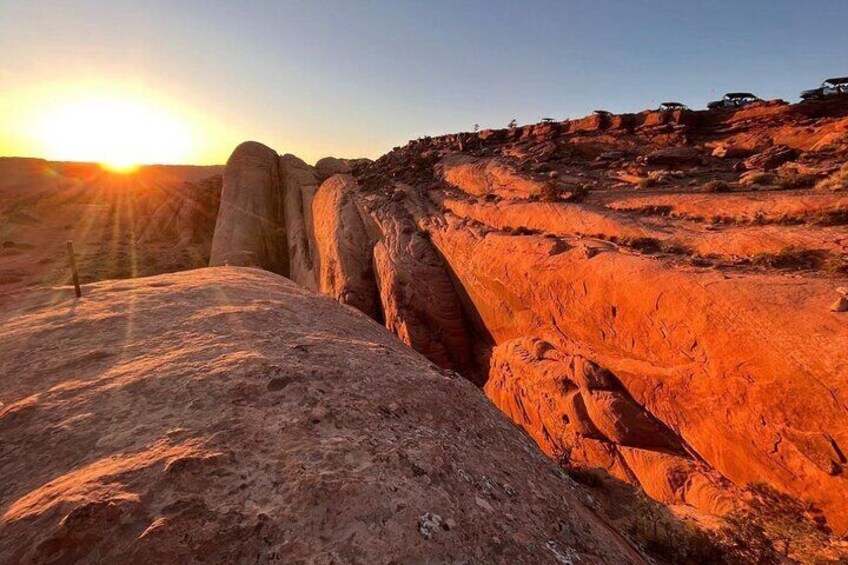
(228, 415)
(689, 260)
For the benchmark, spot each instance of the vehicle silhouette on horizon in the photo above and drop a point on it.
(830, 87)
(734, 100)
(671, 106)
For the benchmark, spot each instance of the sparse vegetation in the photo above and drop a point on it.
(650, 245)
(836, 182)
(797, 180)
(791, 258)
(773, 526)
(715, 186)
(646, 182)
(758, 178)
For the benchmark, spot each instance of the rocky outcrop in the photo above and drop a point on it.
(235, 417)
(675, 342)
(576, 410)
(299, 185)
(344, 247)
(250, 230)
(480, 177)
(676, 327)
(419, 302)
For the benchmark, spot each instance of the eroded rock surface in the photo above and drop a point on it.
(250, 230)
(228, 415)
(624, 288)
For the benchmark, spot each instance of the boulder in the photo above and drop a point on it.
(674, 157)
(344, 246)
(772, 158)
(250, 229)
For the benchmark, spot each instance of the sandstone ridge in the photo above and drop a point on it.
(650, 293)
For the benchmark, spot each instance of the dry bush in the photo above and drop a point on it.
(716, 186)
(757, 179)
(797, 180)
(792, 258)
(836, 182)
(646, 182)
(772, 527)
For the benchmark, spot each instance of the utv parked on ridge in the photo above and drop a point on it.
(733, 100)
(830, 87)
(671, 106)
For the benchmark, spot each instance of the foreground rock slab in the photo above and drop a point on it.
(228, 415)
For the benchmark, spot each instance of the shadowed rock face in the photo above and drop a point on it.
(667, 323)
(236, 417)
(250, 230)
(299, 184)
(344, 247)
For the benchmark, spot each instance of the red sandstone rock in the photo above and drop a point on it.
(250, 229)
(345, 269)
(227, 415)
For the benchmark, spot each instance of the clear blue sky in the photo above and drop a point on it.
(355, 77)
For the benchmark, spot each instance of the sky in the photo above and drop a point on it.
(354, 78)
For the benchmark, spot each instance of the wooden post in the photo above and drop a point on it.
(73, 263)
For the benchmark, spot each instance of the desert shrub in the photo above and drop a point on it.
(745, 540)
(648, 245)
(660, 535)
(797, 180)
(835, 264)
(562, 454)
(838, 217)
(716, 186)
(792, 258)
(757, 179)
(836, 182)
(771, 526)
(550, 191)
(586, 476)
(646, 182)
(652, 210)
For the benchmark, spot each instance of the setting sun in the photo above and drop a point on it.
(120, 134)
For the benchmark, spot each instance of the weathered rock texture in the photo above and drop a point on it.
(229, 416)
(623, 288)
(250, 230)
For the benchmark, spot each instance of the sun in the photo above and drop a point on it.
(118, 133)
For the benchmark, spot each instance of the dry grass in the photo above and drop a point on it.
(757, 179)
(715, 186)
(797, 180)
(792, 258)
(837, 182)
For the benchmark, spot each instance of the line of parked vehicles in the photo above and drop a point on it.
(831, 87)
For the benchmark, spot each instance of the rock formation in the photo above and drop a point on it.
(250, 230)
(228, 416)
(623, 289)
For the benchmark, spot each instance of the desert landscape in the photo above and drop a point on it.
(656, 299)
(620, 338)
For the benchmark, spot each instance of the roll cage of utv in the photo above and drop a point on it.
(830, 87)
(671, 106)
(734, 100)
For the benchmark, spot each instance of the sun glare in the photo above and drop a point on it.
(119, 134)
